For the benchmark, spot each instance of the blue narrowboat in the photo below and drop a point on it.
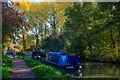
(68, 61)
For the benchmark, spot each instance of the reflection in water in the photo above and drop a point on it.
(93, 70)
(100, 70)
(73, 72)
(96, 70)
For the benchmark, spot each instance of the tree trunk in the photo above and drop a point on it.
(45, 33)
(37, 40)
(24, 43)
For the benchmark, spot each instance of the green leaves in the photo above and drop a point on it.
(94, 21)
(89, 29)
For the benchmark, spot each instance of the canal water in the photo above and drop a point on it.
(94, 70)
(101, 70)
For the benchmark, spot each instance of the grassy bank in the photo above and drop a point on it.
(6, 67)
(44, 71)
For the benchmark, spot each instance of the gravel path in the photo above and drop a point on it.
(20, 69)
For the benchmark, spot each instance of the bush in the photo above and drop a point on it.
(20, 53)
(7, 67)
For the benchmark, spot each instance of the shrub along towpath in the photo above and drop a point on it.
(20, 69)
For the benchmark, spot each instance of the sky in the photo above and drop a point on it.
(36, 0)
(24, 0)
(66, 0)
(75, 0)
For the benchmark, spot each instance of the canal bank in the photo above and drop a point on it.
(43, 71)
(90, 70)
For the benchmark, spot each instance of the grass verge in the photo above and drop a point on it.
(6, 67)
(43, 71)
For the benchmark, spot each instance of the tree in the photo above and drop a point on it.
(91, 30)
(12, 20)
(50, 18)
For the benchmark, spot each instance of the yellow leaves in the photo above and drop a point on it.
(48, 6)
(24, 31)
(23, 5)
(44, 11)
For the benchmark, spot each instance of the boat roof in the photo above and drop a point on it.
(58, 53)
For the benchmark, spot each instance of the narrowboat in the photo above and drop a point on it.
(68, 61)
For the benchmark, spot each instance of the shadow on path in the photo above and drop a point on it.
(20, 69)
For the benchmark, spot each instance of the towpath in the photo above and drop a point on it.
(20, 69)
